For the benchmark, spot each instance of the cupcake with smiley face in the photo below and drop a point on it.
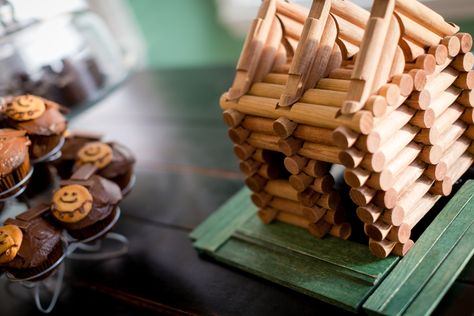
(113, 161)
(86, 207)
(40, 119)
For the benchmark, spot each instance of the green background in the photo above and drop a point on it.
(186, 33)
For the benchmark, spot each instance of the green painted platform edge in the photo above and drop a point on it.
(227, 237)
(434, 257)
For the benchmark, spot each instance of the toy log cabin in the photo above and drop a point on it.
(387, 94)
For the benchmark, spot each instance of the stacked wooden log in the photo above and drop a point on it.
(387, 94)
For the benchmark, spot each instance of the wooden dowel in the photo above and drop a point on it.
(377, 104)
(264, 141)
(290, 146)
(319, 229)
(403, 159)
(267, 215)
(451, 135)
(335, 61)
(446, 98)
(304, 113)
(408, 176)
(426, 17)
(292, 219)
(334, 217)
(452, 44)
(389, 125)
(283, 127)
(409, 200)
(281, 68)
(393, 216)
(276, 78)
(427, 136)
(468, 116)
(417, 32)
(466, 98)
(404, 82)
(411, 50)
(232, 117)
(264, 156)
(391, 93)
(465, 80)
(258, 124)
(381, 249)
(281, 188)
(238, 135)
(436, 172)
(398, 63)
(348, 50)
(295, 163)
(249, 167)
(425, 62)
(270, 171)
(400, 234)
(323, 184)
(270, 53)
(320, 152)
(448, 117)
(440, 53)
(419, 100)
(317, 168)
(244, 151)
(329, 201)
(324, 97)
(314, 214)
(363, 195)
(292, 10)
(369, 143)
(292, 28)
(256, 183)
(343, 231)
(423, 206)
(314, 134)
(344, 137)
(341, 74)
(470, 132)
(443, 187)
(464, 62)
(386, 199)
(300, 181)
(351, 158)
(334, 84)
(350, 12)
(308, 197)
(441, 81)
(380, 181)
(260, 199)
(356, 177)
(419, 77)
(369, 213)
(431, 154)
(466, 42)
(402, 249)
(287, 206)
(424, 119)
(456, 170)
(378, 230)
(268, 90)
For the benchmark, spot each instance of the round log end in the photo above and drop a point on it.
(353, 179)
(232, 118)
(386, 180)
(366, 122)
(435, 154)
(260, 199)
(453, 45)
(378, 161)
(348, 160)
(429, 118)
(419, 77)
(300, 182)
(381, 249)
(427, 63)
(466, 42)
(440, 170)
(405, 84)
(368, 215)
(403, 233)
(391, 93)
(342, 231)
(283, 127)
(424, 99)
(390, 198)
(402, 249)
(440, 52)
(397, 215)
(373, 142)
(374, 232)
(293, 164)
(377, 105)
(342, 137)
(358, 197)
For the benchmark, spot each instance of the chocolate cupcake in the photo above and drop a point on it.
(30, 245)
(113, 161)
(14, 160)
(40, 119)
(74, 141)
(85, 208)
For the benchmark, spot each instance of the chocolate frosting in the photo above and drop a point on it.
(122, 161)
(52, 122)
(13, 150)
(72, 145)
(105, 197)
(39, 240)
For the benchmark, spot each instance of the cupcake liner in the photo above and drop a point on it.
(56, 255)
(17, 175)
(42, 145)
(99, 228)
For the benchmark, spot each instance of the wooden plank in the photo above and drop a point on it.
(220, 225)
(430, 253)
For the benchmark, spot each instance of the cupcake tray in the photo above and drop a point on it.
(344, 273)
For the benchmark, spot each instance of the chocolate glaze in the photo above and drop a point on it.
(105, 197)
(122, 161)
(51, 122)
(13, 150)
(39, 240)
(74, 143)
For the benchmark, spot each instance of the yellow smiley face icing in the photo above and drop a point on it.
(10, 242)
(25, 107)
(96, 153)
(71, 203)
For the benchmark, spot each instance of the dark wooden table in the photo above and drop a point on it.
(185, 170)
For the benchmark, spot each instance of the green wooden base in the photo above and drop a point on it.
(344, 273)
